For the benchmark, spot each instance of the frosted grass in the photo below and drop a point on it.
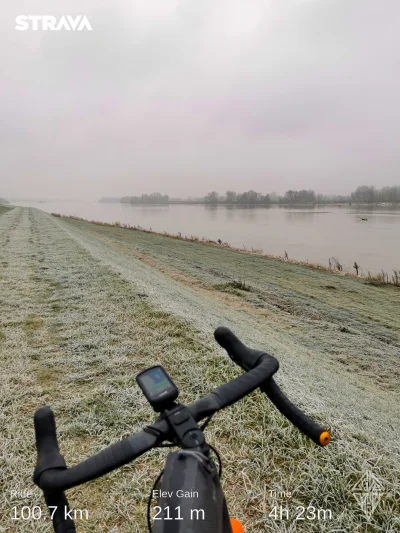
(83, 310)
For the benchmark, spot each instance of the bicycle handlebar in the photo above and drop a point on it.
(307, 426)
(53, 477)
(248, 358)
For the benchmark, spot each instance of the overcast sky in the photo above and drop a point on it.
(184, 97)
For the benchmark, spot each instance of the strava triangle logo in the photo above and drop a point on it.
(51, 23)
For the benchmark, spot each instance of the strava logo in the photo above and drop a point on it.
(51, 23)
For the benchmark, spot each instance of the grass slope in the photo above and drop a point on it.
(4, 209)
(83, 308)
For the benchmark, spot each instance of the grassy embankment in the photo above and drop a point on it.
(4, 209)
(378, 279)
(85, 307)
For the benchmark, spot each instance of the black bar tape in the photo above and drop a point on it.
(245, 357)
(105, 461)
(59, 509)
(233, 391)
(48, 453)
(307, 426)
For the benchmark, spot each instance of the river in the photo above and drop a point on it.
(312, 234)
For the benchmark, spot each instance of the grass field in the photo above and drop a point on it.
(84, 308)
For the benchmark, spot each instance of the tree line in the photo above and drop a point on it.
(256, 198)
(155, 198)
(370, 195)
(245, 198)
(363, 194)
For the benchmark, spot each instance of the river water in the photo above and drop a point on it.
(311, 234)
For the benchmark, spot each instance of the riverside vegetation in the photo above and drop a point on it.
(84, 307)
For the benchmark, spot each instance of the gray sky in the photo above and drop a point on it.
(184, 97)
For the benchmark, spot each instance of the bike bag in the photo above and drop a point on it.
(190, 489)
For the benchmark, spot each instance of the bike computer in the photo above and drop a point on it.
(158, 387)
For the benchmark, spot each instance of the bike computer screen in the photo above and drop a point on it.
(158, 387)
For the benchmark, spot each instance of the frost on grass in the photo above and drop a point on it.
(82, 358)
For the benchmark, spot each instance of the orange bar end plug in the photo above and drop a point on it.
(325, 438)
(236, 526)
